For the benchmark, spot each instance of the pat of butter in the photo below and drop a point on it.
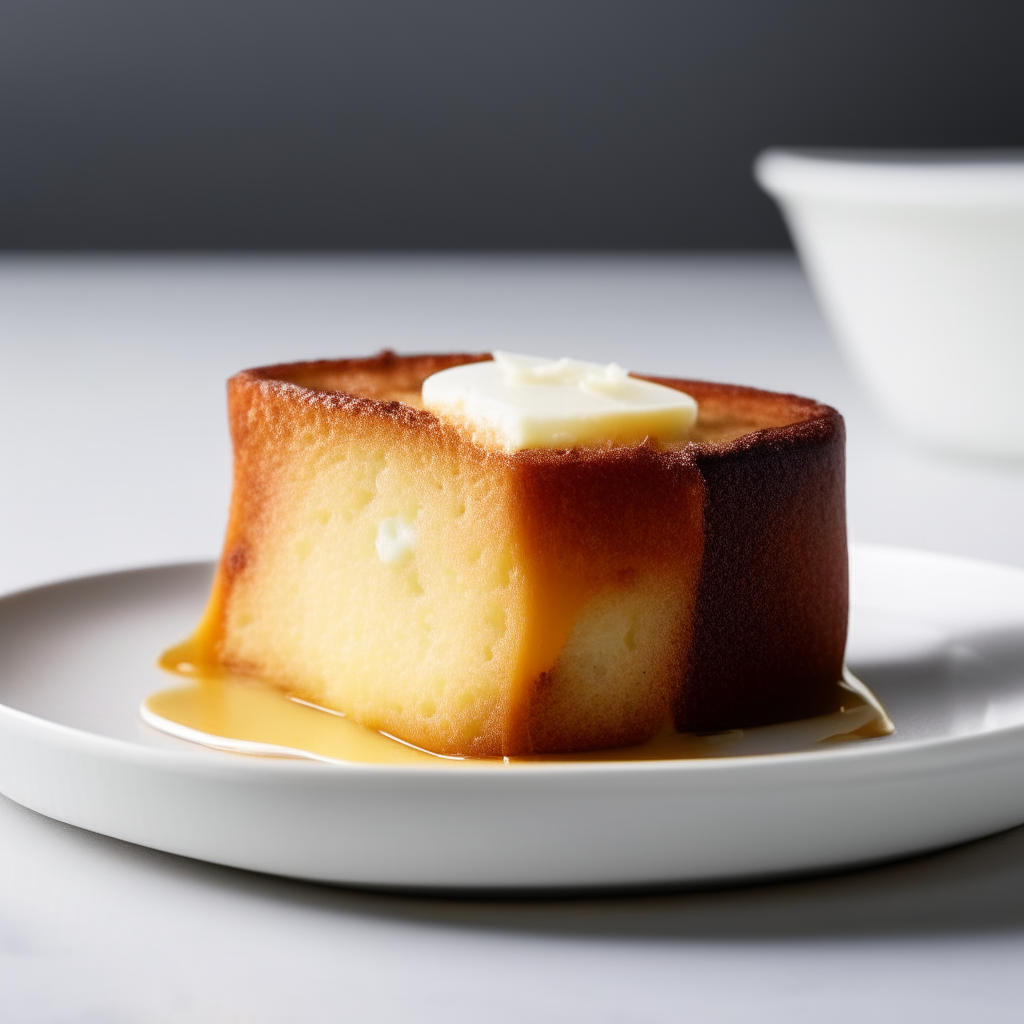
(527, 402)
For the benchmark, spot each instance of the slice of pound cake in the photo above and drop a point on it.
(471, 557)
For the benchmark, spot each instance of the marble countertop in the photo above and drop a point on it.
(114, 453)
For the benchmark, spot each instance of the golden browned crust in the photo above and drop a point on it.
(752, 509)
(603, 519)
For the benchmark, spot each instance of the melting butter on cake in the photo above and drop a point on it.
(475, 597)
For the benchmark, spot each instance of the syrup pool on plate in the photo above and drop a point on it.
(245, 716)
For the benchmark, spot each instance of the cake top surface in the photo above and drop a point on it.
(387, 386)
(516, 402)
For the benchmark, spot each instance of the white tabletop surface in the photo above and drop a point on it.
(113, 453)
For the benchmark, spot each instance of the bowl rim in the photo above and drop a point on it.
(969, 178)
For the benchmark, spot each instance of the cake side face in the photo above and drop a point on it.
(772, 607)
(371, 553)
(615, 535)
(474, 602)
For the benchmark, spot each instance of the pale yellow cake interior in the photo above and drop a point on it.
(465, 643)
(424, 647)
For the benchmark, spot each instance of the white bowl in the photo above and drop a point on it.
(918, 262)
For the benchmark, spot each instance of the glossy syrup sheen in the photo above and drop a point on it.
(248, 717)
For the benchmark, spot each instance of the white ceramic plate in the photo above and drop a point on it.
(939, 639)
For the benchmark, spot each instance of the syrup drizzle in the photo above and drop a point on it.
(244, 716)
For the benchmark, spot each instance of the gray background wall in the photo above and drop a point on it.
(467, 124)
